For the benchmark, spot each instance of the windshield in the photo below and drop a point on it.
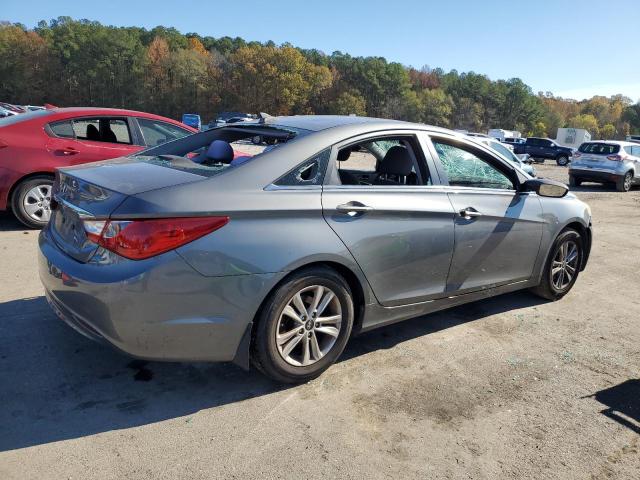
(23, 117)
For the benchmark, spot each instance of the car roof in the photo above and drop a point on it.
(317, 123)
(58, 113)
(615, 142)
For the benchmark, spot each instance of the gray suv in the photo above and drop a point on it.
(606, 161)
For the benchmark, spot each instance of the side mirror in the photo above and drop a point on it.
(545, 187)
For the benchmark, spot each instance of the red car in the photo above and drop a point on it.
(34, 144)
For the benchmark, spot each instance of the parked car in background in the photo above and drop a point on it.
(606, 161)
(6, 113)
(348, 224)
(34, 144)
(513, 141)
(192, 120)
(544, 148)
(224, 117)
(12, 108)
(501, 134)
(34, 107)
(633, 138)
(509, 155)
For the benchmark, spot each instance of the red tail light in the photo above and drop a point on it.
(615, 158)
(140, 239)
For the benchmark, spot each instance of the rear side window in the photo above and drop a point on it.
(62, 129)
(310, 172)
(629, 150)
(599, 148)
(636, 151)
(109, 130)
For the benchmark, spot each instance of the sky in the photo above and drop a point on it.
(574, 49)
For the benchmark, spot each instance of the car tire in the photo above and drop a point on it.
(552, 286)
(292, 358)
(623, 184)
(257, 140)
(574, 181)
(36, 192)
(562, 161)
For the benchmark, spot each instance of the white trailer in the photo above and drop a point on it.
(572, 137)
(501, 134)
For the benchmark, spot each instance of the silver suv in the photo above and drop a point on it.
(606, 161)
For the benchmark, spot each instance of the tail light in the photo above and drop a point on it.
(615, 158)
(140, 239)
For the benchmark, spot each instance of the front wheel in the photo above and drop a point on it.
(562, 267)
(624, 183)
(562, 160)
(31, 201)
(304, 326)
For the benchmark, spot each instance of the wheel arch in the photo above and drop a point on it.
(22, 179)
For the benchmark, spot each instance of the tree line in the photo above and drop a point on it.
(69, 62)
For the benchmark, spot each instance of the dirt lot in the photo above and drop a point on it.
(511, 387)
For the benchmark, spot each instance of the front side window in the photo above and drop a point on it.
(390, 161)
(156, 132)
(466, 169)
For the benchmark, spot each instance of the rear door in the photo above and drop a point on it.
(497, 229)
(398, 227)
(90, 139)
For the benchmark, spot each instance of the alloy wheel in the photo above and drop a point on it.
(565, 265)
(627, 182)
(309, 326)
(37, 203)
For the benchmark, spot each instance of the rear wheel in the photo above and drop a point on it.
(562, 160)
(304, 326)
(31, 201)
(574, 181)
(624, 183)
(562, 267)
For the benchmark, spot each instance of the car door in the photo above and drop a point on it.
(498, 230)
(90, 139)
(398, 228)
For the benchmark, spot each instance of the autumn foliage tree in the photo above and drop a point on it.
(69, 62)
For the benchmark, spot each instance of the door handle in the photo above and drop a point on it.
(469, 212)
(69, 151)
(352, 208)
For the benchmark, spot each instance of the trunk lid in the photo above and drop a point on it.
(94, 191)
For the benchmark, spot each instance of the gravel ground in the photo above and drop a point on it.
(512, 387)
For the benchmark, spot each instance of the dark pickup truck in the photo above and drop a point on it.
(542, 148)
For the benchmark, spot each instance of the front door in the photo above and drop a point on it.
(497, 229)
(380, 200)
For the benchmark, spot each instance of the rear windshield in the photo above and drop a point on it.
(23, 117)
(599, 148)
(202, 153)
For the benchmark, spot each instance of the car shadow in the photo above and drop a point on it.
(9, 223)
(623, 403)
(58, 385)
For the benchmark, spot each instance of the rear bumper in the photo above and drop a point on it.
(156, 309)
(596, 175)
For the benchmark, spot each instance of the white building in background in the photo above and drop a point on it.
(572, 137)
(501, 134)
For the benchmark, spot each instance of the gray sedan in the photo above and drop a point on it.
(196, 250)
